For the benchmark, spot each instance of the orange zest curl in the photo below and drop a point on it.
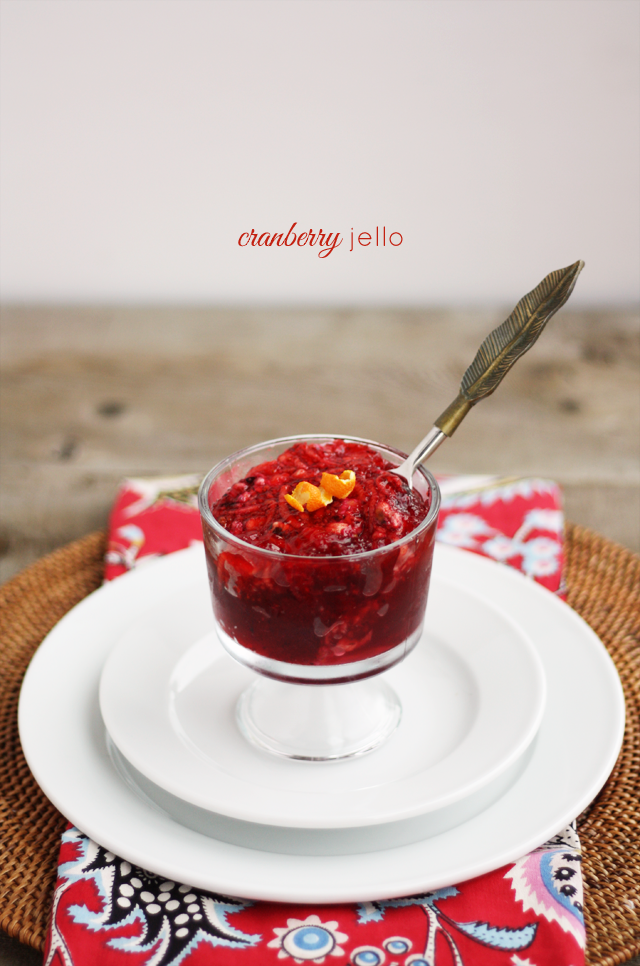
(340, 486)
(308, 497)
(291, 500)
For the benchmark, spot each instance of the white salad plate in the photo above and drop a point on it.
(472, 695)
(68, 750)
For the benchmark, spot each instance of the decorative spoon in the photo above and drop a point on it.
(495, 357)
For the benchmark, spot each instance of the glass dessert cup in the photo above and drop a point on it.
(318, 630)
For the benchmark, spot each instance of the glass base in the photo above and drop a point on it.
(318, 723)
(322, 674)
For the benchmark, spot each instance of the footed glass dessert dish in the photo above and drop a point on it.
(318, 560)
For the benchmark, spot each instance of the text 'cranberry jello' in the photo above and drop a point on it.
(349, 551)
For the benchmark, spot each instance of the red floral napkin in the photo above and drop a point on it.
(527, 913)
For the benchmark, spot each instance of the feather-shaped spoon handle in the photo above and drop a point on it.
(499, 351)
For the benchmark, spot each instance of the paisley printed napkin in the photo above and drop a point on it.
(107, 912)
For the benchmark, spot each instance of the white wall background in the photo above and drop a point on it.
(141, 137)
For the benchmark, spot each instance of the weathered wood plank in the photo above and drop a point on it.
(91, 395)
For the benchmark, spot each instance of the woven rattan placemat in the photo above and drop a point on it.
(603, 583)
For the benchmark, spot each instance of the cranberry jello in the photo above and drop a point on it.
(318, 555)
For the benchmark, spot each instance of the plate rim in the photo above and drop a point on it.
(152, 840)
(306, 810)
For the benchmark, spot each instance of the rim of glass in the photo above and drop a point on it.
(205, 510)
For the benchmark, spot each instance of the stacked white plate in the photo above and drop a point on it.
(512, 720)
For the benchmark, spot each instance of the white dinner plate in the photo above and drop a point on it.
(65, 743)
(472, 695)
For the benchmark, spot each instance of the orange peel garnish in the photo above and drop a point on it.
(291, 500)
(339, 486)
(308, 497)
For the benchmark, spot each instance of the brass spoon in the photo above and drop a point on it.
(494, 358)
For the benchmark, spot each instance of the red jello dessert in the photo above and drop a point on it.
(318, 556)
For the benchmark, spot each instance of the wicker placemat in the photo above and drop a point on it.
(603, 582)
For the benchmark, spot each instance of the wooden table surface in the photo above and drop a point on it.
(92, 394)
